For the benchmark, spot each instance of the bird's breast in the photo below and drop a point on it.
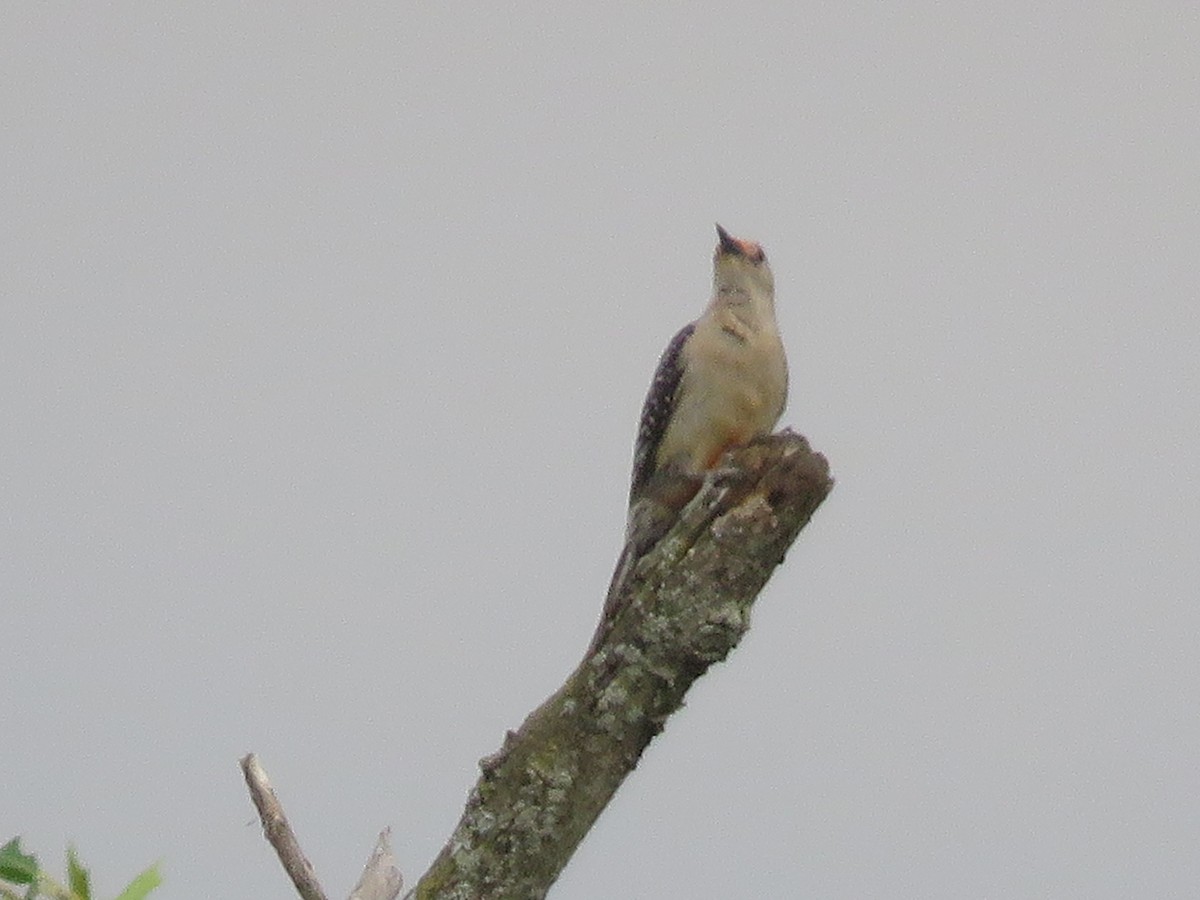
(733, 390)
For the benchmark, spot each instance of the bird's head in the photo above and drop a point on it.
(741, 268)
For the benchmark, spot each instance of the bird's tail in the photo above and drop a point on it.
(617, 591)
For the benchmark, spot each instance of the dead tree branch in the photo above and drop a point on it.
(689, 604)
(380, 878)
(279, 832)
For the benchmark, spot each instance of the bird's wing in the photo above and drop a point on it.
(658, 409)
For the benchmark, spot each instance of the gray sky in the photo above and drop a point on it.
(323, 337)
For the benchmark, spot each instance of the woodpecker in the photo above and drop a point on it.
(721, 382)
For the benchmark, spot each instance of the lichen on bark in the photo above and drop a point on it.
(688, 604)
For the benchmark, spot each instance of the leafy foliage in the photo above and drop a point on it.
(20, 869)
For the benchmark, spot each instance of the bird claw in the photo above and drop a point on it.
(729, 475)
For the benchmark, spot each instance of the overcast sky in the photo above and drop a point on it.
(323, 336)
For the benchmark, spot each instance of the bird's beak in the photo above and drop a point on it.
(729, 244)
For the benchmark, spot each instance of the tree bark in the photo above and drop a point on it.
(687, 604)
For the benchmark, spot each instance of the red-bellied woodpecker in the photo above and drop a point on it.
(721, 382)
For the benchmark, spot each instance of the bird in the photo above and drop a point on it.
(721, 382)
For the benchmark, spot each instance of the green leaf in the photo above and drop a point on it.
(77, 876)
(15, 866)
(142, 885)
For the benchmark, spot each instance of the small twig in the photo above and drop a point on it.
(279, 832)
(381, 880)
